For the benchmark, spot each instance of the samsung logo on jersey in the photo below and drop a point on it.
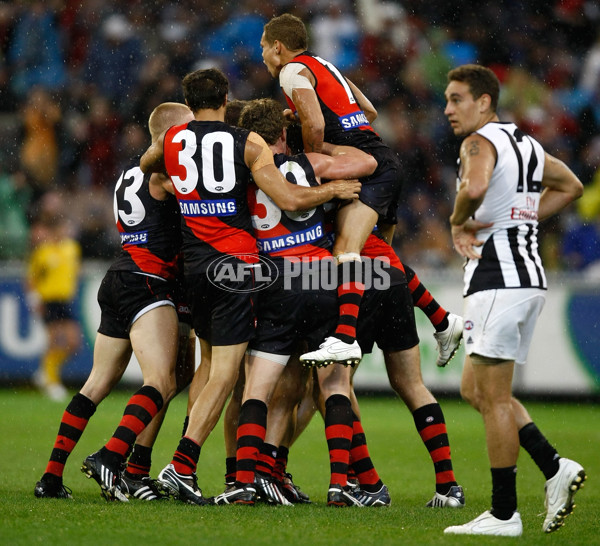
(304, 237)
(137, 238)
(217, 207)
(356, 119)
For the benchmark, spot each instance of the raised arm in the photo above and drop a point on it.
(561, 187)
(285, 195)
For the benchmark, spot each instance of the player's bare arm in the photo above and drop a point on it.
(561, 187)
(365, 104)
(342, 162)
(478, 157)
(311, 118)
(285, 195)
(153, 160)
(160, 186)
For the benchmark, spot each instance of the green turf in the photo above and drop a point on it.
(29, 424)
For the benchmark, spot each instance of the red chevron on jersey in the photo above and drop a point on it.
(149, 263)
(376, 248)
(334, 94)
(224, 238)
(149, 228)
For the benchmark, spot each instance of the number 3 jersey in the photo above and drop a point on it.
(205, 160)
(150, 229)
(509, 256)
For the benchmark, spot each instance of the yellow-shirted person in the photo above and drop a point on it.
(52, 283)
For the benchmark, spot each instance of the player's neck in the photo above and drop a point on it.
(209, 114)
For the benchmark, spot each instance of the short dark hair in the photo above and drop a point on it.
(233, 109)
(205, 89)
(289, 30)
(265, 117)
(481, 81)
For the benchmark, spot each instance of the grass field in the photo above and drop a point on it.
(30, 422)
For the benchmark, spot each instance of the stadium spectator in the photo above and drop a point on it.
(52, 285)
(394, 39)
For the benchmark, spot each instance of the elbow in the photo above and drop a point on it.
(577, 190)
(370, 165)
(145, 164)
(290, 203)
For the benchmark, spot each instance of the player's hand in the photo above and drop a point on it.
(465, 238)
(289, 115)
(345, 189)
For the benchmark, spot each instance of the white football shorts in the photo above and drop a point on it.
(500, 323)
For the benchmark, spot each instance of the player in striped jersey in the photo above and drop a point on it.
(506, 185)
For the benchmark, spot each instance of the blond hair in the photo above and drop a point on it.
(166, 115)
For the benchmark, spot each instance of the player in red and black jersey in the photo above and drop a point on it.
(290, 240)
(210, 164)
(330, 108)
(137, 302)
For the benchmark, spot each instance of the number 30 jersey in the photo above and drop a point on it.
(150, 229)
(510, 257)
(205, 160)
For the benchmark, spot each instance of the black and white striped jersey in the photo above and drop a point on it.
(509, 256)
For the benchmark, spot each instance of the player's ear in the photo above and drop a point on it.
(485, 101)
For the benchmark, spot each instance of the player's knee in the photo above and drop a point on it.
(468, 394)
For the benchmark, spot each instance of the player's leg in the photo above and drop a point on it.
(355, 222)
(281, 426)
(404, 373)
(180, 475)
(111, 356)
(334, 383)
(135, 480)
(492, 380)
(230, 425)
(371, 490)
(262, 373)
(448, 326)
(154, 338)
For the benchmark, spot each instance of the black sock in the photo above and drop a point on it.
(139, 462)
(504, 492)
(230, 469)
(540, 450)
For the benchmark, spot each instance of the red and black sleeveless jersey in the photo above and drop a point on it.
(283, 233)
(345, 123)
(150, 229)
(376, 248)
(205, 160)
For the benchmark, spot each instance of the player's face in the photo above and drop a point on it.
(462, 110)
(270, 57)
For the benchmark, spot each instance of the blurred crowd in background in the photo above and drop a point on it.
(79, 78)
